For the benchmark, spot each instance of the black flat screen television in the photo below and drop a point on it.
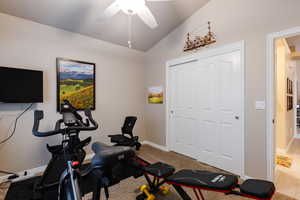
(20, 85)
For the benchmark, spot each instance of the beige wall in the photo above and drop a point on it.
(232, 20)
(119, 86)
(285, 120)
(122, 81)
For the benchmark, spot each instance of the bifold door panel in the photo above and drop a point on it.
(205, 108)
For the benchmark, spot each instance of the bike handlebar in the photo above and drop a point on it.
(39, 115)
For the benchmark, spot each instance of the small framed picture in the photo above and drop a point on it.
(289, 84)
(290, 103)
(155, 95)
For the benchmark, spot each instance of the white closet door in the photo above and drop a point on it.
(205, 105)
(184, 122)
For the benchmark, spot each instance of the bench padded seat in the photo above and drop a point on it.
(204, 180)
(258, 188)
(159, 169)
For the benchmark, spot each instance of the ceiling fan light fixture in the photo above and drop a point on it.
(131, 7)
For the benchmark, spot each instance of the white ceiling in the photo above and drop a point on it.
(82, 16)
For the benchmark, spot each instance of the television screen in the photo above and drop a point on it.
(20, 85)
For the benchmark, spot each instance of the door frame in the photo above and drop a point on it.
(270, 96)
(237, 46)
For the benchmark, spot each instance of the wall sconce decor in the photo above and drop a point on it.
(198, 41)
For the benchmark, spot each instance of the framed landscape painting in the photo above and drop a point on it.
(76, 83)
(155, 95)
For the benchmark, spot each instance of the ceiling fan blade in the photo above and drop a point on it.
(146, 15)
(112, 10)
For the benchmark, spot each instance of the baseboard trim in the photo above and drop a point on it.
(157, 146)
(290, 144)
(297, 136)
(247, 177)
(33, 172)
(280, 151)
(30, 173)
(284, 151)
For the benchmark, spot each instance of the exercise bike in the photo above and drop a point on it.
(71, 148)
(108, 167)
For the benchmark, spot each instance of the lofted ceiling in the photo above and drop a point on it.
(84, 17)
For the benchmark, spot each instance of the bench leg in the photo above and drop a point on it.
(182, 193)
(196, 191)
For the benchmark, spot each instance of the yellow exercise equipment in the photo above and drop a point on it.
(164, 189)
(145, 190)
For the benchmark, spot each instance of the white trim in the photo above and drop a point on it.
(157, 146)
(33, 172)
(243, 118)
(247, 177)
(289, 144)
(285, 150)
(207, 53)
(297, 136)
(167, 109)
(280, 151)
(295, 97)
(30, 173)
(238, 46)
(270, 71)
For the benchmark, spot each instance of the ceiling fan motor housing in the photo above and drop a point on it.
(131, 7)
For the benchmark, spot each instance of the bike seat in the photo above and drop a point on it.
(106, 156)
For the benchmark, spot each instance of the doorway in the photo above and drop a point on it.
(283, 144)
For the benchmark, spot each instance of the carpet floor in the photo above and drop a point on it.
(128, 189)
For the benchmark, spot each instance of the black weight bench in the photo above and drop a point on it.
(218, 182)
(202, 180)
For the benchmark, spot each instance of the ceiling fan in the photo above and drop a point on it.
(133, 7)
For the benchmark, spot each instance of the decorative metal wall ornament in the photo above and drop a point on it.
(198, 41)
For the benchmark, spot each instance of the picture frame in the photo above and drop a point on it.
(291, 92)
(289, 86)
(290, 103)
(287, 103)
(156, 95)
(76, 82)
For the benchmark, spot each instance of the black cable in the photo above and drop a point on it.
(15, 125)
(12, 134)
